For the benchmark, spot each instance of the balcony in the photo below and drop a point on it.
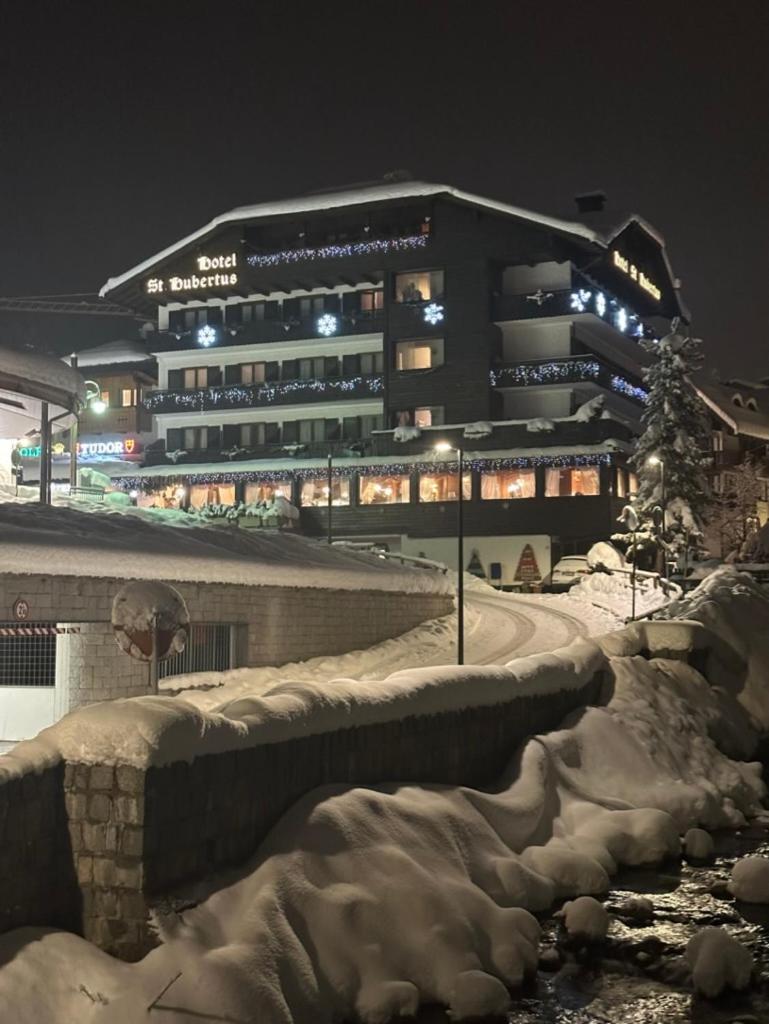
(256, 396)
(300, 451)
(418, 318)
(583, 298)
(568, 370)
(258, 332)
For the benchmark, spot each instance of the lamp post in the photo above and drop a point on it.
(330, 502)
(655, 460)
(444, 446)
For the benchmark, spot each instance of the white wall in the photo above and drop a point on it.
(505, 550)
(25, 710)
(269, 414)
(517, 280)
(535, 339)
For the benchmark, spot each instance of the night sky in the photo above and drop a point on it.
(125, 126)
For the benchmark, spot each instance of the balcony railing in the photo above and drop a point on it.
(569, 370)
(281, 392)
(582, 298)
(417, 318)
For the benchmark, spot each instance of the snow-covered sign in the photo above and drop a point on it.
(149, 616)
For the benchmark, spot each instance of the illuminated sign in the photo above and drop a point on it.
(88, 449)
(623, 263)
(202, 279)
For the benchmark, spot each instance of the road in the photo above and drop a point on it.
(507, 626)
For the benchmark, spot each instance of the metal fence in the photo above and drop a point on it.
(209, 649)
(28, 653)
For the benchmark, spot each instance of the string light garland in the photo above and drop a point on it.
(631, 390)
(326, 252)
(235, 396)
(546, 373)
(146, 484)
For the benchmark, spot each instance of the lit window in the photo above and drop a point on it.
(508, 484)
(621, 482)
(567, 482)
(105, 397)
(128, 397)
(384, 490)
(196, 377)
(632, 485)
(263, 491)
(418, 355)
(428, 416)
(251, 373)
(315, 492)
(371, 301)
(443, 487)
(419, 286)
(212, 494)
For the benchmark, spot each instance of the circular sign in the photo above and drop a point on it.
(21, 609)
(149, 616)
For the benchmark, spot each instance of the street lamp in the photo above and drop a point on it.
(444, 446)
(93, 402)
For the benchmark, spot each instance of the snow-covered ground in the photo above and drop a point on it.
(371, 900)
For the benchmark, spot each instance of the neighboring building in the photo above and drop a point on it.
(739, 412)
(369, 324)
(115, 437)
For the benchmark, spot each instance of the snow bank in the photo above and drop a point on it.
(614, 593)
(750, 880)
(585, 918)
(116, 543)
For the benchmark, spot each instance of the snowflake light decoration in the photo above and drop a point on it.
(621, 319)
(206, 335)
(600, 304)
(579, 300)
(327, 325)
(433, 313)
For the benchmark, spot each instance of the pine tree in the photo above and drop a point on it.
(677, 433)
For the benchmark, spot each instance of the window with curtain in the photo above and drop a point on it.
(315, 492)
(443, 487)
(568, 482)
(384, 490)
(128, 397)
(196, 377)
(508, 484)
(419, 355)
(212, 494)
(428, 416)
(418, 285)
(251, 373)
(257, 490)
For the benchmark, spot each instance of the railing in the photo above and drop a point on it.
(582, 298)
(566, 370)
(283, 392)
(339, 450)
(425, 317)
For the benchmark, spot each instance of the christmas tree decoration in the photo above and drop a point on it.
(672, 452)
(528, 570)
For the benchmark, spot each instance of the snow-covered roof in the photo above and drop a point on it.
(125, 544)
(128, 351)
(29, 378)
(743, 407)
(352, 197)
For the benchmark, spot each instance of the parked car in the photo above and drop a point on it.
(566, 573)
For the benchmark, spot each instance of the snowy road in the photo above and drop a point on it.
(509, 627)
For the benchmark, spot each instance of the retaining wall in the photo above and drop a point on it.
(128, 835)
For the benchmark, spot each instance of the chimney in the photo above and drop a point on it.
(590, 202)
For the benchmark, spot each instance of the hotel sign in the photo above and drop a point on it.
(88, 449)
(624, 264)
(218, 271)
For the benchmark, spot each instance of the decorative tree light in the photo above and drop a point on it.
(206, 335)
(327, 325)
(433, 313)
(624, 387)
(579, 300)
(600, 304)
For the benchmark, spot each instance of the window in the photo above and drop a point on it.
(312, 369)
(105, 397)
(428, 416)
(621, 482)
(371, 302)
(128, 397)
(252, 311)
(418, 355)
(508, 484)
(384, 490)
(258, 491)
(170, 497)
(196, 377)
(419, 286)
(443, 487)
(306, 431)
(212, 494)
(315, 492)
(632, 485)
(252, 434)
(194, 438)
(252, 373)
(312, 306)
(371, 362)
(568, 483)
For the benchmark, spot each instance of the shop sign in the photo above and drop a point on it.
(210, 272)
(88, 449)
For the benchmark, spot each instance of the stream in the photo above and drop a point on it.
(637, 976)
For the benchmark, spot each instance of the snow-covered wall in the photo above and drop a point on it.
(158, 793)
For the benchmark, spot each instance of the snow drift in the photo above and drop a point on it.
(372, 900)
